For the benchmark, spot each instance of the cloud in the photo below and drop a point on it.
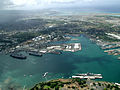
(24, 2)
(5, 3)
(67, 1)
(12, 4)
(38, 4)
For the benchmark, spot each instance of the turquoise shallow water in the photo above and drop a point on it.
(90, 59)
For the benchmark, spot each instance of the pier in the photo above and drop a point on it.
(72, 47)
(88, 76)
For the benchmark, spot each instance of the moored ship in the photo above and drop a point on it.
(88, 76)
(56, 52)
(18, 56)
(35, 54)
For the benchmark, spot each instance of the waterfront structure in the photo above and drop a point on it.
(88, 76)
(73, 47)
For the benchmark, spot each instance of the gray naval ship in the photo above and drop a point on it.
(35, 54)
(18, 56)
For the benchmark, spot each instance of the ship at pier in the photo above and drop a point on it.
(88, 76)
(18, 56)
(35, 54)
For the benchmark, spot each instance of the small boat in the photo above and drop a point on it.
(45, 74)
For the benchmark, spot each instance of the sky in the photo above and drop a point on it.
(46, 4)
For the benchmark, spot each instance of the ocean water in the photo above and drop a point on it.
(116, 15)
(28, 72)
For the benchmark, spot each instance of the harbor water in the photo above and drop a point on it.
(26, 73)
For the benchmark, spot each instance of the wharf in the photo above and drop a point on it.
(72, 47)
(113, 51)
(88, 76)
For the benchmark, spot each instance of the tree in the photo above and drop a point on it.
(57, 87)
(53, 85)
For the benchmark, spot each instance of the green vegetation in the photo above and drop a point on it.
(49, 85)
(23, 30)
(80, 82)
(26, 35)
(74, 84)
(58, 84)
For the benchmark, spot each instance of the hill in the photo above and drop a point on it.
(75, 84)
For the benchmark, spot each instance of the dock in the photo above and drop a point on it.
(88, 76)
(71, 47)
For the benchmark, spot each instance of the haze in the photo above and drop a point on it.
(107, 5)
